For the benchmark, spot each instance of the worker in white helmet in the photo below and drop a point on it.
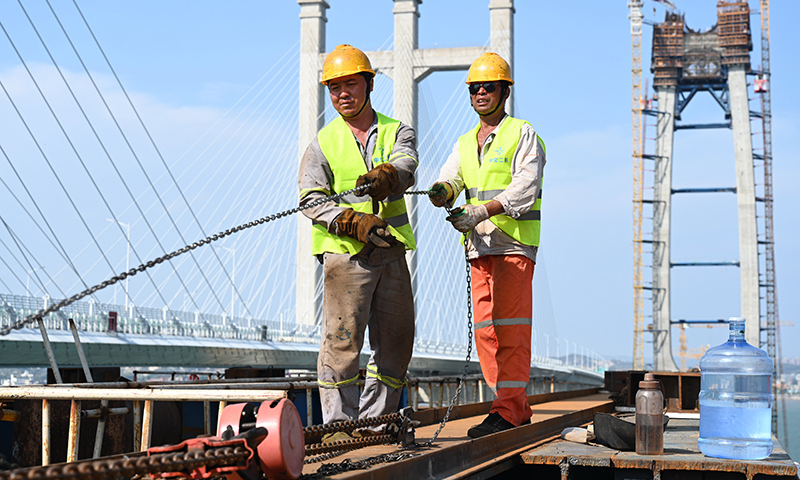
(361, 241)
(499, 165)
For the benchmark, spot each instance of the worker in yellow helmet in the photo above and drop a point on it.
(499, 165)
(361, 241)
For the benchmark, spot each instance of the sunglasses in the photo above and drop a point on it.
(474, 88)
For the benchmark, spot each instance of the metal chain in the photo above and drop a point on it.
(327, 470)
(348, 444)
(126, 466)
(417, 192)
(469, 344)
(133, 271)
(349, 425)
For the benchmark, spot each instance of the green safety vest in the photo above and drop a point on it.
(484, 181)
(339, 146)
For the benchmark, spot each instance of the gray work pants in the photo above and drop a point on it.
(359, 295)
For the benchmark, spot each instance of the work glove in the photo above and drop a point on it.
(465, 218)
(365, 227)
(382, 181)
(440, 193)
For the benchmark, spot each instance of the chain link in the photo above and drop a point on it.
(141, 268)
(127, 466)
(463, 378)
(349, 425)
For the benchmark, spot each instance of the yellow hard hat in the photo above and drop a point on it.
(489, 67)
(345, 60)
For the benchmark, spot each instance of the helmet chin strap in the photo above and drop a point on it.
(366, 101)
(502, 94)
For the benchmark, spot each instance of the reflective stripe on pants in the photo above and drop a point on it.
(502, 296)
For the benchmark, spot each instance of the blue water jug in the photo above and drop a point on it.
(736, 399)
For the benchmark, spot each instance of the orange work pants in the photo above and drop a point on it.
(502, 297)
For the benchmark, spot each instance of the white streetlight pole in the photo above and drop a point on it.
(28, 280)
(233, 278)
(127, 258)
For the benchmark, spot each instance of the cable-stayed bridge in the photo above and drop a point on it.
(90, 190)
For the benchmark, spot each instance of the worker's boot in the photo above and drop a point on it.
(493, 423)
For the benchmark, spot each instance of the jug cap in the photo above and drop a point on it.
(649, 381)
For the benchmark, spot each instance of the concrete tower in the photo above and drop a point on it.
(406, 65)
(685, 63)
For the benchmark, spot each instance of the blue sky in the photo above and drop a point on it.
(186, 63)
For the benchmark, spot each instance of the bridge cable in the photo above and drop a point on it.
(105, 150)
(59, 248)
(144, 266)
(161, 157)
(46, 158)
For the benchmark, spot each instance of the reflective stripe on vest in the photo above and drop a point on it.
(339, 146)
(487, 179)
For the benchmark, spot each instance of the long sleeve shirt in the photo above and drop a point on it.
(527, 169)
(316, 175)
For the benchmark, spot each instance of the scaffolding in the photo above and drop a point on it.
(667, 60)
(733, 29)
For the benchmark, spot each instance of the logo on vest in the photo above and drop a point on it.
(498, 157)
(378, 155)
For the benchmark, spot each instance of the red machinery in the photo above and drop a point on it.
(252, 439)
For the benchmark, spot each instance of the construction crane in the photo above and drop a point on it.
(685, 353)
(636, 18)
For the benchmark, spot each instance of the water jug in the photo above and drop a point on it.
(736, 399)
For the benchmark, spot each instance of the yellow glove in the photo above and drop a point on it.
(440, 194)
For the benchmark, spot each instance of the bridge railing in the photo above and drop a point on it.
(547, 350)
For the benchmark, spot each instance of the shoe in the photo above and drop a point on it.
(336, 437)
(493, 423)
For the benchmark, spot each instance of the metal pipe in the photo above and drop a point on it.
(73, 439)
(137, 426)
(207, 417)
(101, 424)
(186, 394)
(295, 382)
(222, 405)
(81, 355)
(49, 349)
(147, 425)
(309, 408)
(111, 412)
(45, 432)
(101, 430)
(9, 415)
